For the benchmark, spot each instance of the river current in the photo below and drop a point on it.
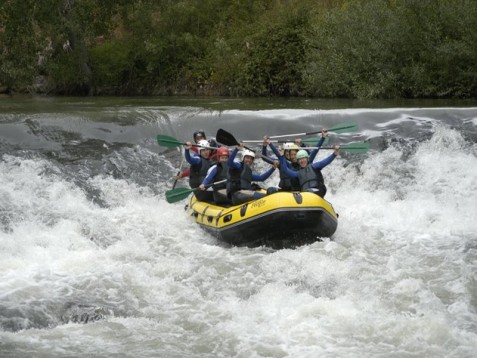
(95, 263)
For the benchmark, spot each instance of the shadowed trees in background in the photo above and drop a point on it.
(334, 48)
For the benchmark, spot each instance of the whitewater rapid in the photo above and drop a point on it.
(94, 261)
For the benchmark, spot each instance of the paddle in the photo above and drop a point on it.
(312, 140)
(178, 194)
(357, 148)
(171, 142)
(179, 173)
(228, 139)
(341, 128)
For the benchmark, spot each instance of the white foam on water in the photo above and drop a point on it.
(403, 118)
(398, 279)
(411, 226)
(292, 114)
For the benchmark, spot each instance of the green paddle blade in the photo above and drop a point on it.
(178, 194)
(344, 127)
(167, 141)
(314, 140)
(357, 148)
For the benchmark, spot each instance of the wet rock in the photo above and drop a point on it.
(84, 314)
(378, 143)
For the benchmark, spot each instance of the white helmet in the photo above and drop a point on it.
(203, 143)
(249, 153)
(290, 146)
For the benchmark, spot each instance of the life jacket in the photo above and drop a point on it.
(310, 177)
(239, 179)
(198, 172)
(319, 176)
(288, 183)
(221, 174)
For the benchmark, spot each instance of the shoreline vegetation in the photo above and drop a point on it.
(356, 49)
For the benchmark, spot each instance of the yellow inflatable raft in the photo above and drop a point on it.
(279, 220)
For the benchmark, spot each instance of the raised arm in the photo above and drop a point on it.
(263, 176)
(275, 150)
(314, 152)
(323, 163)
(266, 141)
(191, 159)
(286, 169)
(231, 162)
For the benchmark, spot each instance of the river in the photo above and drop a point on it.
(95, 263)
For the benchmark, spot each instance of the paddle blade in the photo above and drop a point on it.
(167, 141)
(344, 127)
(357, 148)
(178, 194)
(314, 141)
(225, 137)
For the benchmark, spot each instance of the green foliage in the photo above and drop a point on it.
(67, 76)
(332, 48)
(270, 61)
(276, 56)
(21, 43)
(389, 49)
(111, 64)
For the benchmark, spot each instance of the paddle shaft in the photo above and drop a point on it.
(211, 184)
(318, 148)
(201, 146)
(178, 194)
(207, 186)
(168, 141)
(179, 173)
(347, 127)
(273, 141)
(227, 138)
(358, 148)
(346, 146)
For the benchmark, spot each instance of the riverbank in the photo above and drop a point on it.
(312, 49)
